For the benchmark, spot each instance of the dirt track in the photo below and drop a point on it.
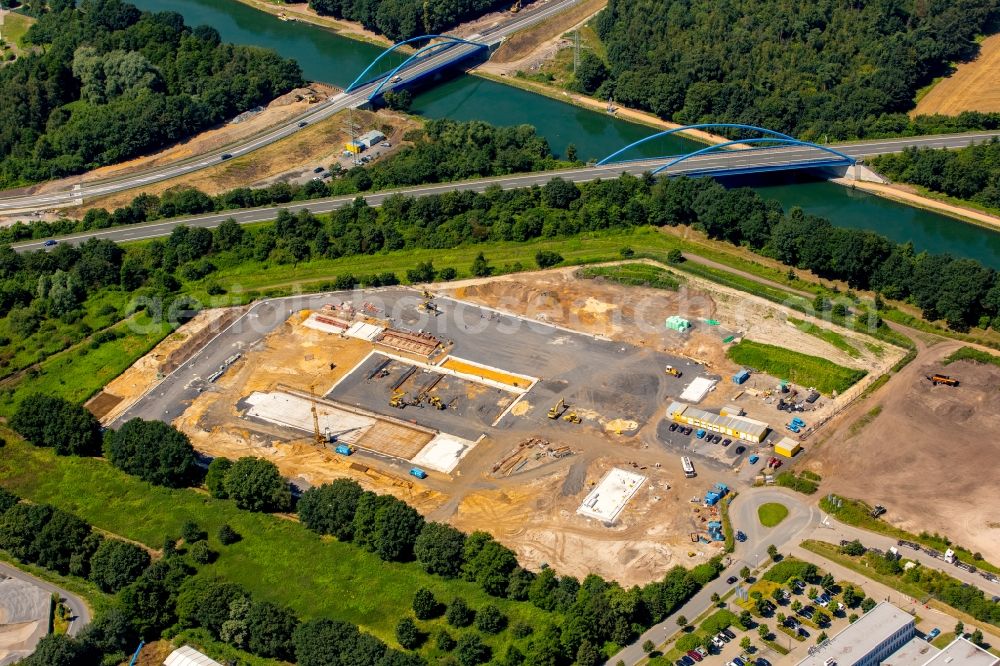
(930, 456)
(975, 86)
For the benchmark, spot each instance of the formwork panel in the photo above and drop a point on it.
(394, 440)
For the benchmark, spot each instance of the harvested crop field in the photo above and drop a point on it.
(975, 86)
(934, 450)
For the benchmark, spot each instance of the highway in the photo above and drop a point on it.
(437, 59)
(761, 158)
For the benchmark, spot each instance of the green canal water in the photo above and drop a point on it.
(329, 58)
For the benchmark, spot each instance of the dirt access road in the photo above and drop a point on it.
(929, 453)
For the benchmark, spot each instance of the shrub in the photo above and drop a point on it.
(459, 614)
(228, 536)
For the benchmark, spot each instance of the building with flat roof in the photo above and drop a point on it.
(914, 653)
(877, 634)
(188, 656)
(962, 652)
(744, 428)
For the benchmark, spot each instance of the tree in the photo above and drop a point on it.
(270, 629)
(201, 553)
(812, 593)
(977, 637)
(215, 478)
(745, 573)
(407, 634)
(490, 620)
(439, 549)
(227, 535)
(745, 643)
(55, 650)
(763, 631)
(571, 152)
(330, 508)
(151, 600)
(559, 193)
(481, 266)
(547, 258)
(488, 563)
(116, 564)
(444, 641)
(423, 272)
(51, 421)
(746, 619)
(772, 552)
(648, 646)
(822, 637)
(256, 485)
(590, 73)
(587, 654)
(959, 628)
(682, 621)
(425, 606)
(867, 604)
(330, 643)
(191, 532)
(796, 605)
(398, 100)
(827, 581)
(778, 594)
(152, 450)
(852, 618)
(7, 500)
(674, 256)
(459, 614)
(471, 650)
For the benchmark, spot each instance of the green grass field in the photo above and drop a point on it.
(801, 369)
(14, 27)
(771, 513)
(278, 559)
(826, 335)
(634, 275)
(974, 355)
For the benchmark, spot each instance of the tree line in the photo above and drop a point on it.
(443, 150)
(109, 82)
(812, 69)
(402, 19)
(971, 173)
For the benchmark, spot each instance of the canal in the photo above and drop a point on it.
(329, 58)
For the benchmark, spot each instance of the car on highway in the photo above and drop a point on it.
(731, 580)
(397, 79)
(302, 123)
(226, 156)
(50, 242)
(934, 633)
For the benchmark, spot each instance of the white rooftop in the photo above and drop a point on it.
(697, 389)
(860, 638)
(915, 653)
(611, 495)
(961, 652)
(188, 656)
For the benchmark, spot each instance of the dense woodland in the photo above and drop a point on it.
(109, 82)
(402, 19)
(971, 173)
(808, 67)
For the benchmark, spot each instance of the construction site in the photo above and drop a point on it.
(533, 406)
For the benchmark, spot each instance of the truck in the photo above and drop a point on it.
(936, 379)
(344, 449)
(741, 376)
(673, 372)
(799, 422)
(419, 473)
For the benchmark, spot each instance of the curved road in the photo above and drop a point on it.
(81, 612)
(801, 519)
(703, 164)
(15, 203)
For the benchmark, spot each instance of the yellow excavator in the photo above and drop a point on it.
(516, 7)
(397, 399)
(572, 417)
(557, 409)
(673, 372)
(435, 402)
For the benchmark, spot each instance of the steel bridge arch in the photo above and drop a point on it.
(754, 128)
(449, 41)
(844, 159)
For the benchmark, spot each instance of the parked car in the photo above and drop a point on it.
(727, 441)
(738, 661)
(717, 643)
(740, 449)
(740, 536)
(687, 430)
(762, 662)
(722, 637)
(729, 632)
(702, 651)
(777, 464)
(803, 633)
(687, 661)
(673, 427)
(731, 580)
(318, 169)
(386, 144)
(700, 434)
(754, 458)
(694, 655)
(934, 633)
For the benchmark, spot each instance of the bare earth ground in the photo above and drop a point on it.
(532, 511)
(530, 41)
(292, 158)
(975, 86)
(931, 455)
(302, 12)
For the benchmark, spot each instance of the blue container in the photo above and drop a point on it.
(419, 473)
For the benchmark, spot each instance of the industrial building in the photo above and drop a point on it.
(787, 447)
(747, 429)
(877, 634)
(962, 652)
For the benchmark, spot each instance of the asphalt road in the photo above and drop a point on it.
(703, 164)
(81, 613)
(74, 195)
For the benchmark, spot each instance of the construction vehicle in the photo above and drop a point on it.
(942, 379)
(558, 409)
(877, 511)
(516, 7)
(318, 437)
(435, 402)
(419, 473)
(572, 417)
(397, 399)
(674, 372)
(426, 294)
